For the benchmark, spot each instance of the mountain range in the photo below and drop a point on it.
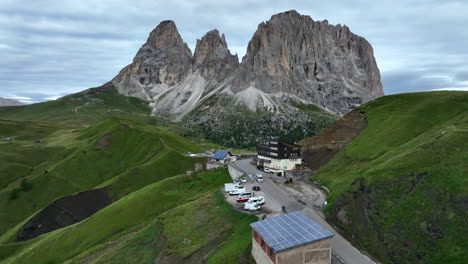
(291, 61)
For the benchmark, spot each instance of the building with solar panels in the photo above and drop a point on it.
(223, 156)
(291, 238)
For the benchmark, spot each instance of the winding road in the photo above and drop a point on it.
(342, 250)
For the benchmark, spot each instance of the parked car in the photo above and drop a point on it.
(237, 190)
(255, 188)
(243, 180)
(266, 170)
(252, 207)
(238, 181)
(259, 177)
(256, 199)
(243, 198)
(260, 168)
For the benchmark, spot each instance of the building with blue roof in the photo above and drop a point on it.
(222, 156)
(290, 238)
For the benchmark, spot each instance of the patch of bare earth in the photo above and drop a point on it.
(64, 212)
(103, 141)
(320, 149)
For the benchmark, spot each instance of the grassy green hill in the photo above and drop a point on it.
(85, 108)
(140, 167)
(400, 189)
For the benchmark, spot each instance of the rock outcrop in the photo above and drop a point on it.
(212, 57)
(292, 56)
(163, 61)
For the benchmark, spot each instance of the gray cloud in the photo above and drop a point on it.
(51, 48)
(461, 76)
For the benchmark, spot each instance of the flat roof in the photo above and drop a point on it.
(290, 230)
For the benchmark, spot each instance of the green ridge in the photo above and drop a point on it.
(407, 169)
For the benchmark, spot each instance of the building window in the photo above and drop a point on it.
(274, 154)
(271, 252)
(255, 234)
(263, 243)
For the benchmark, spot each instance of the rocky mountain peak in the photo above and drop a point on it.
(309, 61)
(165, 35)
(165, 59)
(212, 56)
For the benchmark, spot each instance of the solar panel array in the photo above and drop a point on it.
(289, 230)
(220, 154)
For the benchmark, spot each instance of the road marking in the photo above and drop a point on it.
(338, 257)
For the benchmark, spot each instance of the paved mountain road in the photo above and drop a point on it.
(343, 251)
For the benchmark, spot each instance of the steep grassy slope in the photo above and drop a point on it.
(122, 155)
(137, 165)
(400, 189)
(136, 221)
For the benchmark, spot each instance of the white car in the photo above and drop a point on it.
(237, 190)
(260, 200)
(259, 177)
(252, 207)
(266, 170)
(243, 180)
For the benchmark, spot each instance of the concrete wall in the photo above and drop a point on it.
(259, 255)
(234, 172)
(214, 165)
(314, 253)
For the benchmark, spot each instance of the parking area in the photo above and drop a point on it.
(270, 208)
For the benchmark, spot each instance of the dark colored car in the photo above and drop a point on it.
(255, 188)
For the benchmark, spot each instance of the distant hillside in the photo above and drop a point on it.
(84, 108)
(400, 189)
(9, 102)
(145, 197)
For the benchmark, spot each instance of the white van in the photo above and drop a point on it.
(260, 200)
(251, 207)
(237, 190)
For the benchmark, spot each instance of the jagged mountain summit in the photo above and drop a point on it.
(290, 58)
(291, 61)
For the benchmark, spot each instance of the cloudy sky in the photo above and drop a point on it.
(52, 48)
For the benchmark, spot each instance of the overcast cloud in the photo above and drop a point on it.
(52, 48)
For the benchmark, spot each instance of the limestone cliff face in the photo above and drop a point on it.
(164, 60)
(213, 58)
(292, 56)
(291, 59)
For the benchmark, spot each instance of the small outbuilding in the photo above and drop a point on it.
(290, 238)
(223, 156)
(7, 139)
